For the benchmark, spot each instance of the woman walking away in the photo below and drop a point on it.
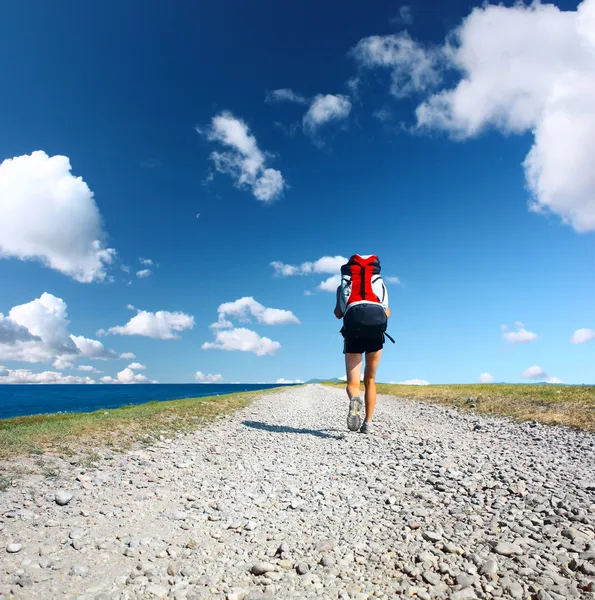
(362, 303)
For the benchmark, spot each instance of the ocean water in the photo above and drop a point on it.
(19, 400)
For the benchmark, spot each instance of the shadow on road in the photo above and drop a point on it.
(323, 433)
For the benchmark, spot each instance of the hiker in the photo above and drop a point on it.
(362, 303)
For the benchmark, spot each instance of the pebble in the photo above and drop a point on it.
(302, 568)
(260, 568)
(13, 547)
(506, 549)
(63, 498)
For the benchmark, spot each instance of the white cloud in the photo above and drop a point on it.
(325, 109)
(331, 284)
(486, 378)
(92, 348)
(243, 340)
(393, 280)
(242, 308)
(534, 373)
(160, 325)
(288, 381)
(26, 376)
(136, 366)
(519, 324)
(62, 364)
(538, 78)
(128, 355)
(125, 268)
(208, 378)
(38, 332)
(49, 215)
(580, 336)
(522, 336)
(44, 318)
(325, 264)
(537, 372)
(412, 382)
(88, 369)
(285, 95)
(143, 273)
(413, 68)
(127, 376)
(147, 262)
(245, 162)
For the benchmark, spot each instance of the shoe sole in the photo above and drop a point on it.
(354, 419)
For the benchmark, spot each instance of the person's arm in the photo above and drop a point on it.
(385, 301)
(338, 312)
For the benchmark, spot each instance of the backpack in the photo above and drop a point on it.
(361, 296)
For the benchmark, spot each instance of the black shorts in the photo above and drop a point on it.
(361, 346)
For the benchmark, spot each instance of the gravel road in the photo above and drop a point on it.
(280, 501)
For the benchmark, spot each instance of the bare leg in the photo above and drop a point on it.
(372, 361)
(353, 368)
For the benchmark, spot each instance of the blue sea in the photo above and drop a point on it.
(19, 400)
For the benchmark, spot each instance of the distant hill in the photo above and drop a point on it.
(333, 380)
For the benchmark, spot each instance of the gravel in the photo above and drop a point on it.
(279, 500)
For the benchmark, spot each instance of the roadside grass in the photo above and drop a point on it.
(116, 428)
(573, 406)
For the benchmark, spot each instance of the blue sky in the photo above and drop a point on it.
(462, 157)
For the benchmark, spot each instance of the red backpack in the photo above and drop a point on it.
(363, 313)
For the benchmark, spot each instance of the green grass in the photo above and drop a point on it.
(118, 428)
(573, 406)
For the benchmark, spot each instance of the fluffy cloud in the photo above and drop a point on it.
(537, 372)
(285, 95)
(245, 162)
(538, 78)
(413, 68)
(38, 332)
(580, 336)
(331, 284)
(324, 109)
(147, 262)
(242, 308)
(522, 336)
(127, 376)
(160, 325)
(325, 264)
(208, 378)
(62, 364)
(88, 369)
(486, 378)
(128, 355)
(92, 348)
(26, 376)
(136, 366)
(243, 340)
(143, 273)
(49, 215)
